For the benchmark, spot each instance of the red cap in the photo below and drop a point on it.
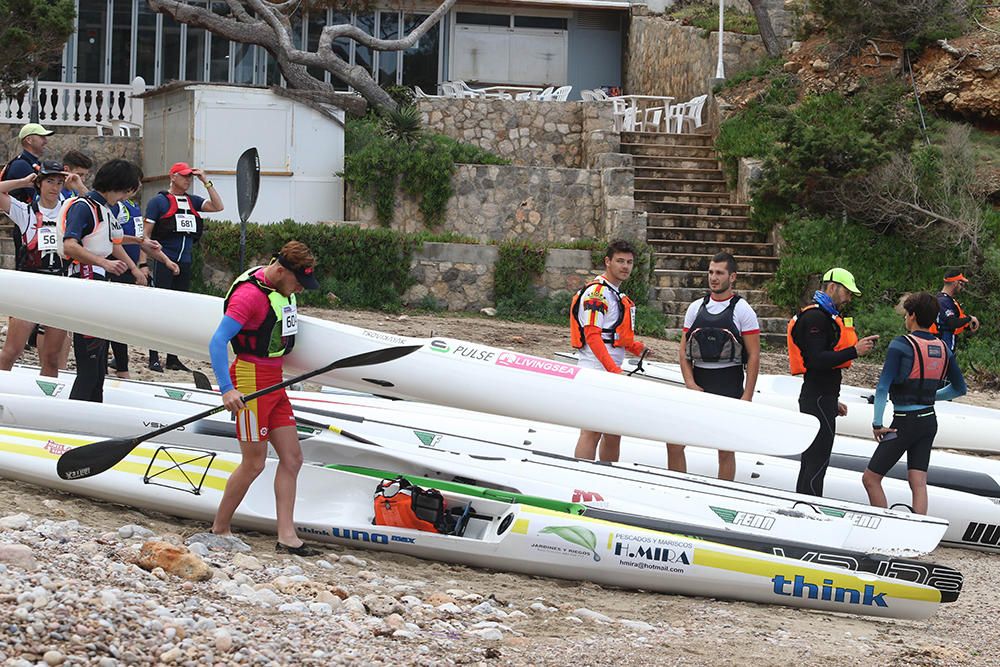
(953, 277)
(182, 168)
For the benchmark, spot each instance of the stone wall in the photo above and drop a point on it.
(460, 277)
(548, 134)
(494, 203)
(664, 57)
(100, 149)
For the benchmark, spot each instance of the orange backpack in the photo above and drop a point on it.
(400, 503)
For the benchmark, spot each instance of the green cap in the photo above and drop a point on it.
(843, 277)
(31, 129)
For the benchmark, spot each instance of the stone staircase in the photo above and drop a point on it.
(690, 217)
(6, 243)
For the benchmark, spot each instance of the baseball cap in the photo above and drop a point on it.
(32, 129)
(50, 167)
(843, 277)
(182, 168)
(304, 274)
(955, 276)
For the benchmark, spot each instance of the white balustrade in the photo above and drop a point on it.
(77, 104)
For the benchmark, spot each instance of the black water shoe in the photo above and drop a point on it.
(154, 365)
(174, 364)
(301, 550)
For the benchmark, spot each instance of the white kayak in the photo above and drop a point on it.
(483, 435)
(442, 371)
(498, 535)
(960, 425)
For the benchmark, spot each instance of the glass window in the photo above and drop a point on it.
(362, 54)
(145, 52)
(195, 63)
(547, 22)
(218, 67)
(273, 71)
(90, 42)
(170, 62)
(388, 61)
(315, 22)
(244, 63)
(420, 61)
(341, 45)
(121, 41)
(471, 18)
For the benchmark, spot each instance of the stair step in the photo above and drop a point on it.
(681, 196)
(675, 162)
(704, 235)
(709, 248)
(681, 184)
(699, 262)
(661, 150)
(669, 138)
(695, 210)
(679, 173)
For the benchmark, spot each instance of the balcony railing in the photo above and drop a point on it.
(77, 104)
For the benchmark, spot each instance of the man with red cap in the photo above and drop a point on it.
(173, 217)
(952, 320)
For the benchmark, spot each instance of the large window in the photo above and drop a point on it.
(120, 39)
(497, 47)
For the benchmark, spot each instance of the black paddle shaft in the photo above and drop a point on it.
(95, 458)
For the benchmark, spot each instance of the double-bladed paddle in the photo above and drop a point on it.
(247, 188)
(95, 458)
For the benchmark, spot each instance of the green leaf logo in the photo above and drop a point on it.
(575, 535)
(48, 388)
(726, 515)
(177, 394)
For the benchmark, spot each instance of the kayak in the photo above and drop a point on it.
(498, 535)
(217, 433)
(960, 425)
(442, 371)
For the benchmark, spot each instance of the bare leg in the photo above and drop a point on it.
(676, 460)
(918, 487)
(586, 445)
(252, 464)
(285, 441)
(50, 349)
(610, 447)
(873, 485)
(727, 465)
(17, 335)
(64, 354)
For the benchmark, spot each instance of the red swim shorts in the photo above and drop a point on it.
(261, 415)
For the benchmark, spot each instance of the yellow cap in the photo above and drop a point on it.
(33, 128)
(843, 277)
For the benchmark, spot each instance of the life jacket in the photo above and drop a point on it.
(38, 251)
(929, 369)
(402, 504)
(267, 339)
(846, 337)
(935, 329)
(102, 240)
(3, 177)
(715, 337)
(620, 334)
(180, 218)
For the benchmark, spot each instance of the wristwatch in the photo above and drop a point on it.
(209, 184)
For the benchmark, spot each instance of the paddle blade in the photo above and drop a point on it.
(374, 357)
(247, 182)
(93, 459)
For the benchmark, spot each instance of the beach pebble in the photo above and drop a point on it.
(449, 608)
(223, 639)
(354, 605)
(383, 605)
(640, 626)
(18, 555)
(246, 562)
(198, 548)
(132, 530)
(590, 615)
(321, 608)
(214, 542)
(15, 522)
(489, 634)
(352, 560)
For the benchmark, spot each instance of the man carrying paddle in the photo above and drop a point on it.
(821, 344)
(260, 322)
(602, 328)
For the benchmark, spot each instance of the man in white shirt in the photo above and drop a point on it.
(721, 336)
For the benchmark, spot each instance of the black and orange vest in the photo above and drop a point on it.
(846, 337)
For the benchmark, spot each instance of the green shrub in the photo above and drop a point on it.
(753, 132)
(384, 154)
(704, 14)
(913, 22)
(518, 267)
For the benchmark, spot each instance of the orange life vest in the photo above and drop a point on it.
(930, 367)
(846, 337)
(961, 313)
(621, 334)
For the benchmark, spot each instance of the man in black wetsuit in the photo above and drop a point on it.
(821, 344)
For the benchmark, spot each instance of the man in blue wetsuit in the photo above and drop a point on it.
(951, 319)
(915, 367)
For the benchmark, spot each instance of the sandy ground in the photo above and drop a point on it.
(685, 631)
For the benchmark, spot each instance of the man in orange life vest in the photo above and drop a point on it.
(820, 344)
(915, 367)
(602, 329)
(173, 218)
(952, 320)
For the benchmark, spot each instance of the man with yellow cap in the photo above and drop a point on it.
(952, 320)
(821, 343)
(33, 138)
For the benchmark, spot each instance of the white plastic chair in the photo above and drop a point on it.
(588, 95)
(629, 122)
(449, 89)
(546, 95)
(522, 96)
(675, 117)
(468, 91)
(601, 95)
(651, 119)
(419, 93)
(694, 109)
(561, 94)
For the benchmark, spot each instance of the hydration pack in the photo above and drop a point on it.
(400, 503)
